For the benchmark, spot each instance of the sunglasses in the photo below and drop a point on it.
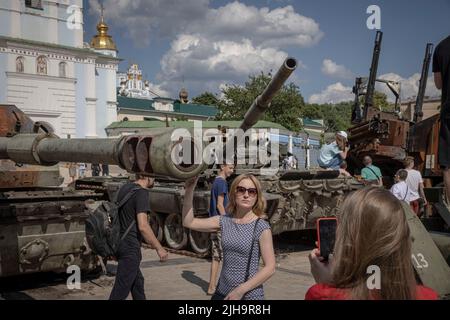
(252, 192)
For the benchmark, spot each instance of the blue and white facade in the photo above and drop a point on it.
(47, 70)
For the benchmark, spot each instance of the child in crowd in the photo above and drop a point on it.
(400, 189)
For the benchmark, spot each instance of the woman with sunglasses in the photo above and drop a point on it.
(245, 237)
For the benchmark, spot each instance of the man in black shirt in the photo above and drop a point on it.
(441, 69)
(95, 167)
(129, 277)
(105, 170)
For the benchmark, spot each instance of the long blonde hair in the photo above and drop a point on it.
(260, 204)
(373, 230)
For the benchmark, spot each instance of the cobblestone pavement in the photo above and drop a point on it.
(181, 277)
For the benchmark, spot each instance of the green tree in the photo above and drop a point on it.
(285, 108)
(336, 116)
(380, 101)
(312, 111)
(206, 98)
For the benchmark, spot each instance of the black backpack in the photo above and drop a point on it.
(103, 227)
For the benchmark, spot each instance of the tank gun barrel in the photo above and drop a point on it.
(262, 102)
(48, 149)
(151, 154)
(373, 75)
(161, 152)
(259, 106)
(418, 114)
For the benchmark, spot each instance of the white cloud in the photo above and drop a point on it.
(211, 64)
(146, 19)
(337, 92)
(334, 93)
(277, 27)
(155, 88)
(409, 86)
(332, 69)
(211, 46)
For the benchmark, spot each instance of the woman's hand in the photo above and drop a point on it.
(211, 224)
(236, 294)
(320, 269)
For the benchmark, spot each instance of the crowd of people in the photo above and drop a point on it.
(78, 170)
(408, 185)
(98, 169)
(372, 228)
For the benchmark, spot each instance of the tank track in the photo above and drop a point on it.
(292, 205)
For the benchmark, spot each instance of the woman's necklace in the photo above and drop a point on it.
(245, 219)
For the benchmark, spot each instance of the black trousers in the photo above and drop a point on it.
(129, 277)
(217, 296)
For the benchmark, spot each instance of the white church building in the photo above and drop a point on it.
(47, 70)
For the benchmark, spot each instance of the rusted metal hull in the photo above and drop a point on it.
(424, 145)
(28, 176)
(13, 121)
(43, 231)
(384, 138)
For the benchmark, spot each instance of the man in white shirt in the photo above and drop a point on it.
(415, 184)
(292, 161)
(331, 155)
(401, 190)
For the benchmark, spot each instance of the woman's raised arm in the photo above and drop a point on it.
(211, 224)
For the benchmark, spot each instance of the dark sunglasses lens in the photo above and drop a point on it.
(252, 192)
(240, 190)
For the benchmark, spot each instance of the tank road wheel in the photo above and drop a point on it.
(174, 232)
(199, 241)
(156, 222)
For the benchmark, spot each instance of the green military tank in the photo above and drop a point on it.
(295, 199)
(41, 224)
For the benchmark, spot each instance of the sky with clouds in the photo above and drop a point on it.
(205, 44)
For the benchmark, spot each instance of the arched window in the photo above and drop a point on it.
(20, 61)
(62, 69)
(41, 65)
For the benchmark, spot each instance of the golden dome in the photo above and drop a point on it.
(102, 40)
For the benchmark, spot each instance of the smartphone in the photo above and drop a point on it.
(326, 235)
